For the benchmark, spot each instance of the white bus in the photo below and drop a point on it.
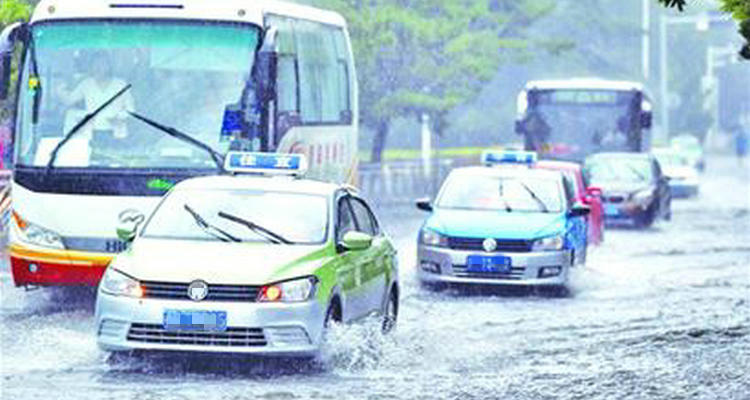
(117, 101)
(570, 119)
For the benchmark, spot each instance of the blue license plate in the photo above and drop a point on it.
(195, 321)
(488, 264)
(611, 210)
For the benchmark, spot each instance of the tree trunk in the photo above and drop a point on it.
(379, 141)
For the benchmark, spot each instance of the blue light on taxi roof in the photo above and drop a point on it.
(494, 157)
(266, 163)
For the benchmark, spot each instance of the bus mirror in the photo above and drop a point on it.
(7, 45)
(4, 75)
(647, 118)
(266, 68)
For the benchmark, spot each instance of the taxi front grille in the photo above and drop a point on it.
(516, 273)
(232, 337)
(503, 246)
(179, 291)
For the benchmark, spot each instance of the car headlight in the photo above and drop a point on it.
(548, 244)
(34, 234)
(431, 238)
(116, 283)
(294, 291)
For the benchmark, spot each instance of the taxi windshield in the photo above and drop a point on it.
(620, 169)
(501, 193)
(299, 219)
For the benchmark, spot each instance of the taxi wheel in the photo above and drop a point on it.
(333, 314)
(390, 315)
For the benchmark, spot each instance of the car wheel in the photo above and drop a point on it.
(646, 219)
(390, 315)
(333, 314)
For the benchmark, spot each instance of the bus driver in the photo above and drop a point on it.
(96, 90)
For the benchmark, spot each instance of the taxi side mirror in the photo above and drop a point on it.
(579, 210)
(425, 204)
(356, 241)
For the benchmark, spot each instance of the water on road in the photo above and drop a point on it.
(657, 314)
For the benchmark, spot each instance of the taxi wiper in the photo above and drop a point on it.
(77, 127)
(210, 229)
(269, 235)
(177, 134)
(539, 201)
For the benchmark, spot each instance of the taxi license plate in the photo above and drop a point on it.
(488, 264)
(195, 321)
(611, 210)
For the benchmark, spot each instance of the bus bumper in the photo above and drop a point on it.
(35, 267)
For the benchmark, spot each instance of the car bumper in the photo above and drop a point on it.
(683, 188)
(526, 267)
(625, 211)
(50, 267)
(125, 324)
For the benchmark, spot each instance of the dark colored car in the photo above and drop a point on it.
(634, 189)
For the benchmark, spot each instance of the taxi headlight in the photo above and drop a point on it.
(294, 291)
(34, 234)
(116, 283)
(432, 238)
(548, 244)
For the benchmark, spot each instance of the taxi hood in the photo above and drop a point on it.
(216, 262)
(497, 224)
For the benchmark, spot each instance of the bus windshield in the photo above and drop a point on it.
(179, 74)
(572, 123)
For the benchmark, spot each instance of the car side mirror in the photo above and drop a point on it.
(425, 204)
(647, 118)
(580, 210)
(594, 191)
(356, 241)
(128, 224)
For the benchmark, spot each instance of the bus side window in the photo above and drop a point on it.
(323, 71)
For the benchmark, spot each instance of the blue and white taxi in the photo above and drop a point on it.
(502, 223)
(259, 262)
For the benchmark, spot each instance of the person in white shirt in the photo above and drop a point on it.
(94, 91)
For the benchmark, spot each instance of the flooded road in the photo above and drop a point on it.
(657, 314)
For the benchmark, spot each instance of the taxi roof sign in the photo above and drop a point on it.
(266, 163)
(495, 157)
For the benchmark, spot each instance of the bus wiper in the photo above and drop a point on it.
(210, 229)
(77, 127)
(177, 134)
(269, 235)
(539, 201)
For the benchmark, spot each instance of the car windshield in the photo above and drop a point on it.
(509, 194)
(181, 74)
(619, 169)
(301, 219)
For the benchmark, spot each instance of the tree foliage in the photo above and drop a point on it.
(428, 56)
(740, 10)
(12, 11)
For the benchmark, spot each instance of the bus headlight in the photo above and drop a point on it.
(34, 234)
(116, 283)
(551, 243)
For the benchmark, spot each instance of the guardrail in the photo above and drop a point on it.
(401, 182)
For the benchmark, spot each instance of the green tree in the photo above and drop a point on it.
(428, 56)
(740, 10)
